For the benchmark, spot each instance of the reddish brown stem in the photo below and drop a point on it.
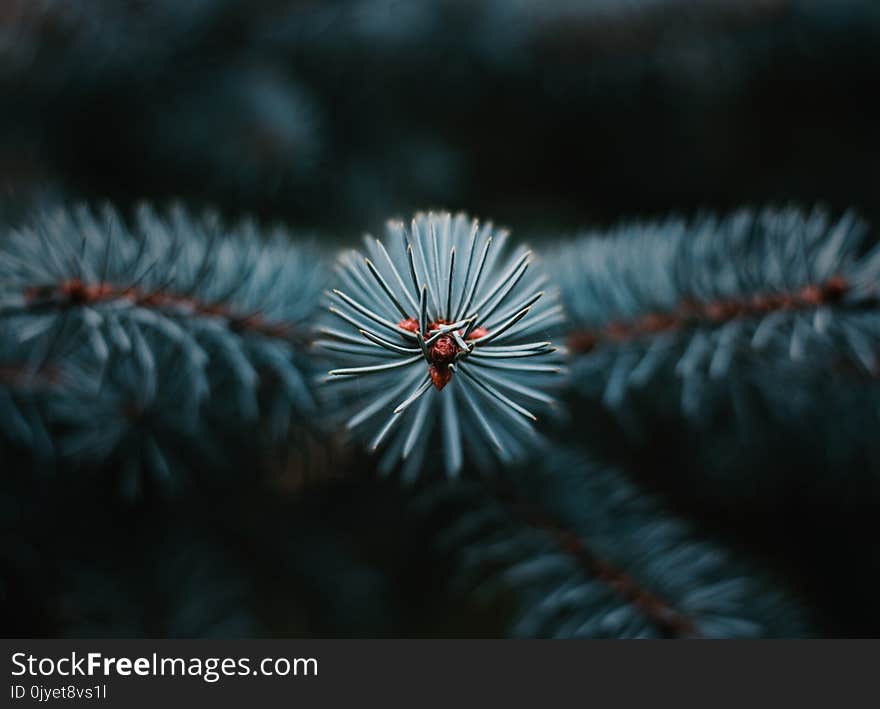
(18, 376)
(661, 613)
(690, 312)
(74, 292)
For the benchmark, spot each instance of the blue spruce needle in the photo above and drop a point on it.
(445, 334)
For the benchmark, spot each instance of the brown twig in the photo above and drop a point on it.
(75, 292)
(690, 313)
(671, 622)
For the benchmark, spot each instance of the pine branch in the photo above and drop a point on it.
(699, 303)
(581, 553)
(163, 344)
(445, 339)
(689, 338)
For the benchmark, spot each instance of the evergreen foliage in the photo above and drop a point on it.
(584, 554)
(749, 326)
(181, 337)
(695, 300)
(664, 426)
(193, 346)
(451, 326)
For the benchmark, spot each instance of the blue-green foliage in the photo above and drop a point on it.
(691, 310)
(156, 344)
(740, 349)
(579, 552)
(450, 276)
(729, 362)
(164, 347)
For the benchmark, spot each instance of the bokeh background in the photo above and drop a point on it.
(542, 115)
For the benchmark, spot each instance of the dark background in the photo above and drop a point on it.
(543, 116)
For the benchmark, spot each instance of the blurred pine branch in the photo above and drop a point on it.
(185, 340)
